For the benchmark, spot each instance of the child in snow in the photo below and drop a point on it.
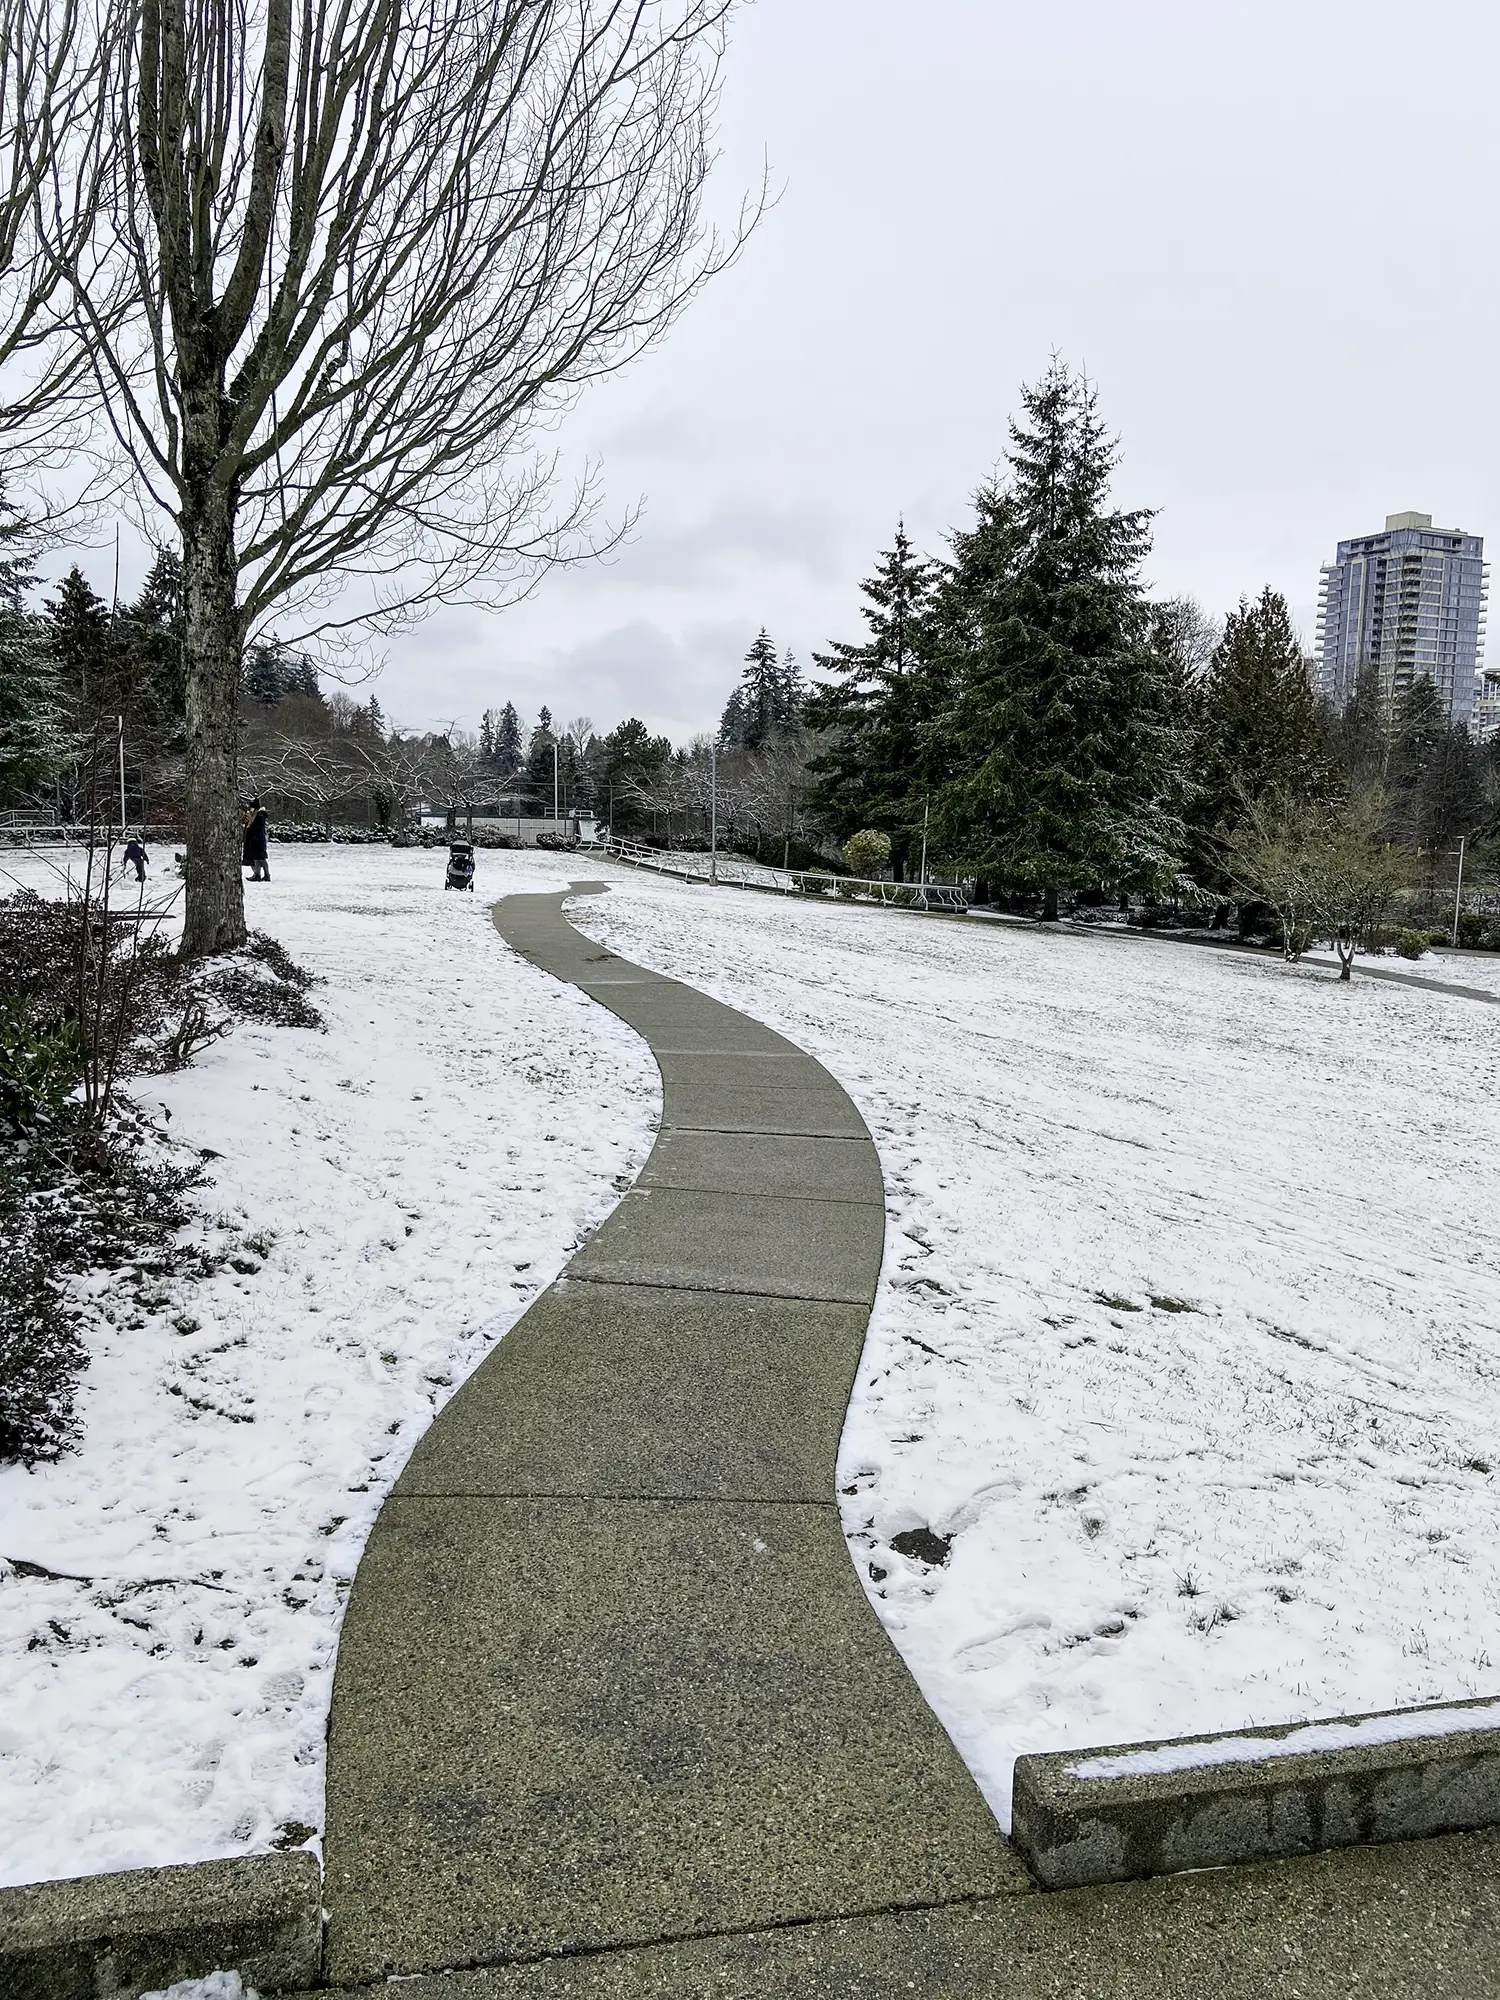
(135, 856)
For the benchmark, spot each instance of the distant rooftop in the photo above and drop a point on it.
(1407, 521)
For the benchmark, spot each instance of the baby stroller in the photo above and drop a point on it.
(460, 873)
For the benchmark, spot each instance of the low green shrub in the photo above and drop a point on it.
(816, 882)
(1409, 944)
(1473, 930)
(41, 1063)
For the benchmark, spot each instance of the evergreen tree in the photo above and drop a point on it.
(1067, 730)
(540, 769)
(91, 664)
(1257, 725)
(375, 721)
(1359, 739)
(1437, 778)
(272, 671)
(153, 631)
(876, 706)
(508, 740)
(33, 741)
(791, 697)
(487, 735)
(755, 714)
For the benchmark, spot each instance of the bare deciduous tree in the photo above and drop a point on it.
(1325, 869)
(52, 118)
(353, 254)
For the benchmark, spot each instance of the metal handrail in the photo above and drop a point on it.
(734, 873)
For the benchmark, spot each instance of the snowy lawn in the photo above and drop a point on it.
(1189, 1330)
(388, 1196)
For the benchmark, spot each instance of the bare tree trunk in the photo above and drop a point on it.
(1049, 905)
(215, 898)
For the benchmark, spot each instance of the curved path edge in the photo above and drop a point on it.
(607, 1676)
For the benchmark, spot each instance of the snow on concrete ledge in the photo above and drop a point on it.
(148, 1928)
(1257, 1795)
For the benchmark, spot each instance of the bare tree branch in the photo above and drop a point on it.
(334, 266)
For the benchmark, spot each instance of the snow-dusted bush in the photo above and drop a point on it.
(867, 852)
(73, 1199)
(1409, 944)
(85, 1184)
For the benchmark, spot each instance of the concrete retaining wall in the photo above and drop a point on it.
(1107, 1815)
(112, 1937)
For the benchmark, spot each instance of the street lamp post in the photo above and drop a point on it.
(713, 813)
(555, 813)
(926, 808)
(1458, 894)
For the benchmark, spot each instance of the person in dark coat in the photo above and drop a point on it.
(257, 858)
(135, 856)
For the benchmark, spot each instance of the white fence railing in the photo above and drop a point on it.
(732, 872)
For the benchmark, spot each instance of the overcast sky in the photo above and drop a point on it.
(1265, 227)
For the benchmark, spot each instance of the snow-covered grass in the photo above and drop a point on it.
(390, 1194)
(1188, 1333)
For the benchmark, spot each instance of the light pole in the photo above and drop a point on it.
(926, 808)
(713, 812)
(555, 814)
(1458, 894)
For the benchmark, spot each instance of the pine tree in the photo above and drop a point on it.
(272, 671)
(880, 698)
(1359, 739)
(1068, 728)
(791, 697)
(540, 769)
(508, 740)
(33, 743)
(91, 663)
(33, 740)
(153, 630)
(1436, 773)
(1258, 727)
(487, 735)
(754, 715)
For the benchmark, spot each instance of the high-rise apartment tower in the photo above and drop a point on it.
(1409, 601)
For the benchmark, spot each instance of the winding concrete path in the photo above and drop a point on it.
(607, 1676)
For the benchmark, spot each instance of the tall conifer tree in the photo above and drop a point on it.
(875, 706)
(33, 742)
(1257, 724)
(1067, 732)
(755, 714)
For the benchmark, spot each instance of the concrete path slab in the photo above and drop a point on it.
(659, 1718)
(707, 1242)
(819, 1114)
(732, 1068)
(808, 1169)
(599, 1390)
(607, 1675)
(1415, 1922)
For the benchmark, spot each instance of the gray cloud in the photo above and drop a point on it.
(1262, 226)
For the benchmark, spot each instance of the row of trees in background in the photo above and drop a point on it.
(1056, 733)
(1022, 711)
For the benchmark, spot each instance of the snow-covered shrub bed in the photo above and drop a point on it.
(383, 1198)
(1189, 1332)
